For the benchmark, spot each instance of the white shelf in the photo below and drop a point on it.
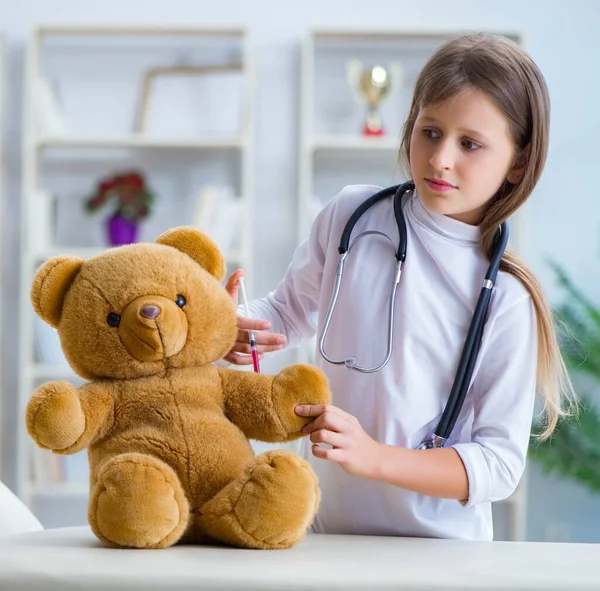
(82, 252)
(411, 38)
(60, 166)
(2, 181)
(350, 143)
(59, 489)
(116, 29)
(140, 141)
(50, 372)
(234, 256)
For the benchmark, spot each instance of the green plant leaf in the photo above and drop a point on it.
(574, 449)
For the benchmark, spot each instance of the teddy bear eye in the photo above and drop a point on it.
(180, 301)
(113, 319)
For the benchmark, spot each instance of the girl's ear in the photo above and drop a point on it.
(517, 172)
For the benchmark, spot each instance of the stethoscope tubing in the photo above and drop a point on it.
(474, 336)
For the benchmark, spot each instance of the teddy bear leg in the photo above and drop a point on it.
(270, 504)
(138, 502)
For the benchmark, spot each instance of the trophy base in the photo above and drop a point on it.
(373, 132)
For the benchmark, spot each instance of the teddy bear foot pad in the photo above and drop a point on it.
(270, 505)
(138, 502)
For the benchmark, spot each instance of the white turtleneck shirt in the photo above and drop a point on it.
(401, 404)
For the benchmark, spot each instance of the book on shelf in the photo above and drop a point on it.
(51, 469)
(49, 115)
(48, 350)
(219, 213)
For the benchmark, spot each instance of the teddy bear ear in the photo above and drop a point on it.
(198, 246)
(50, 286)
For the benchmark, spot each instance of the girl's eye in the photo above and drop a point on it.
(470, 145)
(180, 301)
(431, 134)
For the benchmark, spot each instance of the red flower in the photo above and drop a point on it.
(133, 199)
(106, 186)
(133, 180)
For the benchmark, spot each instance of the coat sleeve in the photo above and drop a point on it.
(292, 307)
(504, 396)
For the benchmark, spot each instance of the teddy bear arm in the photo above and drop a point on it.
(298, 384)
(264, 406)
(248, 403)
(97, 403)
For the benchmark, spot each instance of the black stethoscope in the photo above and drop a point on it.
(468, 356)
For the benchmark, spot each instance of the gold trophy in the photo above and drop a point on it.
(372, 86)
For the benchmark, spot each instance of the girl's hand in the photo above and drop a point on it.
(353, 449)
(265, 341)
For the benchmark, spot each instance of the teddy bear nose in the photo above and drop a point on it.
(150, 312)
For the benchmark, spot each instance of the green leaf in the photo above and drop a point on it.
(574, 449)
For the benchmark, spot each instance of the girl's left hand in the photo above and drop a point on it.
(353, 449)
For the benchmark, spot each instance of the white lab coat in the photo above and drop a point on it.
(402, 403)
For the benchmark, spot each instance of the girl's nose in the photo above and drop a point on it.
(442, 158)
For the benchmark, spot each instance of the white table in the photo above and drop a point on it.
(72, 558)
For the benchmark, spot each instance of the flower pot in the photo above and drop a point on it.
(121, 231)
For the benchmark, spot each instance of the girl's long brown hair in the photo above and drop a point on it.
(510, 78)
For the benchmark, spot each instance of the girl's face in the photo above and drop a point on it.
(461, 151)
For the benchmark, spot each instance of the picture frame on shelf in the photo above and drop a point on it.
(208, 100)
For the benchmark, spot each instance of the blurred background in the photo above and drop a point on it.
(243, 118)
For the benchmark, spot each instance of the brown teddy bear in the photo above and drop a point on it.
(166, 430)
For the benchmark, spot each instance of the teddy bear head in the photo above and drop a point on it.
(140, 309)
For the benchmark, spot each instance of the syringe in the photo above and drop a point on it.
(253, 350)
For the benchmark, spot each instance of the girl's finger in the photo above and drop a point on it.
(325, 453)
(327, 437)
(270, 338)
(233, 285)
(311, 410)
(245, 348)
(315, 410)
(238, 359)
(262, 338)
(253, 323)
(329, 421)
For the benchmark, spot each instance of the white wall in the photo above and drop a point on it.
(561, 36)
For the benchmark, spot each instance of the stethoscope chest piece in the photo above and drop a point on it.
(431, 443)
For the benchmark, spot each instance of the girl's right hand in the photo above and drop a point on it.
(265, 341)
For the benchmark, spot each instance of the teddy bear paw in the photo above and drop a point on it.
(298, 384)
(55, 419)
(270, 505)
(138, 502)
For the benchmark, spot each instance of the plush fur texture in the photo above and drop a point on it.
(166, 431)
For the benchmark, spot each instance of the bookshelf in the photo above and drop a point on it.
(172, 102)
(334, 152)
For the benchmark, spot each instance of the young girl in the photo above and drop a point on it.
(476, 141)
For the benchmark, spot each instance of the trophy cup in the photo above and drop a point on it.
(372, 86)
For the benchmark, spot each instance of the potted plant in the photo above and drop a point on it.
(132, 201)
(574, 450)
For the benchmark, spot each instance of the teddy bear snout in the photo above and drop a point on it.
(150, 312)
(153, 328)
